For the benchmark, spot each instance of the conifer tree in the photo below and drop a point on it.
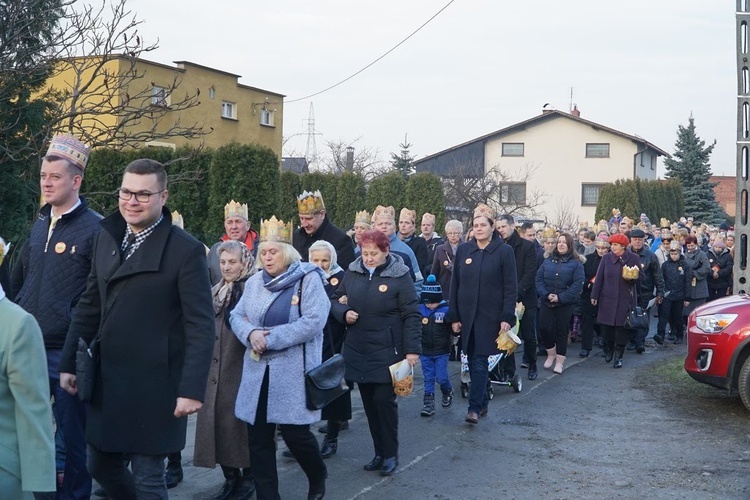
(690, 164)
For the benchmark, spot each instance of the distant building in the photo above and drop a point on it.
(295, 164)
(236, 112)
(573, 159)
(725, 192)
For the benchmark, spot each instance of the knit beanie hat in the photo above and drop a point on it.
(431, 291)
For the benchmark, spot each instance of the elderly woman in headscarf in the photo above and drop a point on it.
(323, 255)
(220, 437)
(280, 319)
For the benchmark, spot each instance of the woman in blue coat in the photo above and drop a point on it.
(614, 295)
(559, 282)
(482, 301)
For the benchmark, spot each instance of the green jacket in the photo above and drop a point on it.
(27, 449)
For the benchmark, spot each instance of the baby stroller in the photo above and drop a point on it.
(507, 343)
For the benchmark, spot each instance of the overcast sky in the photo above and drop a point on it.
(639, 66)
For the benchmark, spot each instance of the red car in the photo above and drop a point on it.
(718, 341)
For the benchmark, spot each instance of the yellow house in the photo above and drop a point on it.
(136, 103)
(556, 161)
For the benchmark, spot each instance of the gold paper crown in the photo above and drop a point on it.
(583, 224)
(630, 272)
(663, 223)
(68, 147)
(615, 211)
(483, 210)
(275, 230)
(310, 203)
(549, 232)
(234, 209)
(177, 220)
(363, 217)
(381, 211)
(428, 218)
(407, 214)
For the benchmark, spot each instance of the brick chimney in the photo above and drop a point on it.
(575, 111)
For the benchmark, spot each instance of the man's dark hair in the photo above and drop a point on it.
(508, 219)
(72, 168)
(527, 225)
(590, 235)
(145, 166)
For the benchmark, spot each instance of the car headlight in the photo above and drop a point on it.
(714, 323)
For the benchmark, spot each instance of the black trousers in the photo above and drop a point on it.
(670, 312)
(262, 441)
(554, 323)
(527, 332)
(614, 336)
(588, 324)
(381, 409)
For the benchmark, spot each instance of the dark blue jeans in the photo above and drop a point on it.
(435, 367)
(70, 417)
(145, 482)
(480, 374)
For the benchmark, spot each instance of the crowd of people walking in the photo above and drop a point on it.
(174, 328)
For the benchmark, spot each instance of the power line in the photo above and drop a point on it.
(376, 60)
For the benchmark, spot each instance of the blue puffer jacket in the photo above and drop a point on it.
(53, 281)
(561, 275)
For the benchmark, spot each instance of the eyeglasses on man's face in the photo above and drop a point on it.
(140, 196)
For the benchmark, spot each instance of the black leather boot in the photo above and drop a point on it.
(231, 476)
(329, 447)
(609, 352)
(173, 475)
(245, 486)
(619, 352)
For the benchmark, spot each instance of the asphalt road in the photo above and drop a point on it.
(592, 432)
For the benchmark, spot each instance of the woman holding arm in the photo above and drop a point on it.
(378, 303)
(280, 319)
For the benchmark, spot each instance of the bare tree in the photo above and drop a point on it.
(366, 161)
(506, 191)
(565, 216)
(106, 100)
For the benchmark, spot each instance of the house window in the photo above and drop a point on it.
(597, 150)
(211, 92)
(513, 193)
(590, 194)
(159, 96)
(228, 110)
(266, 117)
(512, 149)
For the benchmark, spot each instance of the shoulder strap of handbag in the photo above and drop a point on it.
(299, 310)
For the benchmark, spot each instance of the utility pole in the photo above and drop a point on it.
(741, 271)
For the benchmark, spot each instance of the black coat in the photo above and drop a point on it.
(389, 323)
(724, 263)
(419, 246)
(526, 266)
(432, 245)
(326, 232)
(483, 292)
(156, 318)
(677, 276)
(650, 277)
(437, 334)
(442, 267)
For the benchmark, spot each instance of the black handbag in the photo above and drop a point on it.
(637, 318)
(325, 382)
(87, 368)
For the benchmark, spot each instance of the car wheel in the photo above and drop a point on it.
(744, 383)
